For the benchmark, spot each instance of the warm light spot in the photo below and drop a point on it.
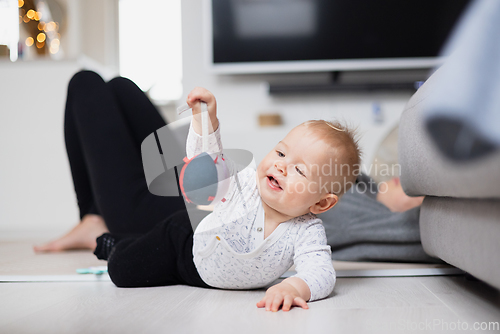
(41, 25)
(20, 3)
(22, 12)
(26, 19)
(41, 37)
(38, 16)
(50, 26)
(40, 45)
(55, 42)
(20, 19)
(54, 49)
(30, 13)
(29, 41)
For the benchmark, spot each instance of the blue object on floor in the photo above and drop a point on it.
(93, 270)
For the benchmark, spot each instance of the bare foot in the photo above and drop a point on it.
(82, 236)
(391, 194)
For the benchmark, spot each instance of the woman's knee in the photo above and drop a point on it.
(84, 80)
(121, 84)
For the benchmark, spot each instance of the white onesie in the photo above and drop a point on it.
(229, 248)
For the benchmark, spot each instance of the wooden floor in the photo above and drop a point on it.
(357, 305)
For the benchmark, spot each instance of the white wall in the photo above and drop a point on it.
(37, 198)
(241, 98)
(36, 193)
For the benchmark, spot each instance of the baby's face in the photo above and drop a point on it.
(289, 177)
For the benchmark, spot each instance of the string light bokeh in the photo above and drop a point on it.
(42, 30)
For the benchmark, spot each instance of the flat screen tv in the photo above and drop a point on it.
(272, 36)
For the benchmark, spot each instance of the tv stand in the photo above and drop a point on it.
(337, 84)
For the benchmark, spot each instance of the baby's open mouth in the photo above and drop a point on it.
(274, 182)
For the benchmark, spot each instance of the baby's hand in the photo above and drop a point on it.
(194, 98)
(201, 94)
(282, 293)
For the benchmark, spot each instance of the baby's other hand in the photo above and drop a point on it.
(282, 293)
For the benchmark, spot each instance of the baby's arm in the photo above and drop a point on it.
(313, 261)
(315, 276)
(194, 98)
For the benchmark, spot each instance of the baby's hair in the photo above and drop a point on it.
(346, 154)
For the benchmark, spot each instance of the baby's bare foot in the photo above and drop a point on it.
(82, 236)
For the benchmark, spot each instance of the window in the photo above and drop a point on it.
(150, 46)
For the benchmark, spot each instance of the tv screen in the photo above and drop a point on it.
(252, 36)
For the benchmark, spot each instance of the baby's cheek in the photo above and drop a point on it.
(325, 184)
(257, 180)
(296, 187)
(260, 172)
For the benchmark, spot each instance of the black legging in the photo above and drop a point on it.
(104, 126)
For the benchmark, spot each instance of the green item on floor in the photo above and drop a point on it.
(93, 270)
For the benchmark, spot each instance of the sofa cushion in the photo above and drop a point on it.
(462, 232)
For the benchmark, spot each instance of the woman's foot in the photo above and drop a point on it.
(82, 236)
(392, 195)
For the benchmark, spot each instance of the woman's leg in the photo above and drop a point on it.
(104, 127)
(141, 116)
(161, 257)
(111, 149)
(78, 165)
(91, 224)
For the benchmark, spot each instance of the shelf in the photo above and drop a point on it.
(342, 87)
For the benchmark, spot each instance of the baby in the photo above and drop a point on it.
(263, 225)
(257, 232)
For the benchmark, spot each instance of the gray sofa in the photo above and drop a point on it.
(460, 216)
